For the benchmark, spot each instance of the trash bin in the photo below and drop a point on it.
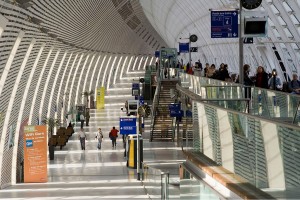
(131, 150)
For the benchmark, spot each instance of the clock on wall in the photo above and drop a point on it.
(251, 4)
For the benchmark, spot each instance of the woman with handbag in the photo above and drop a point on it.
(99, 137)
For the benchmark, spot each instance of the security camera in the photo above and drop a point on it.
(122, 108)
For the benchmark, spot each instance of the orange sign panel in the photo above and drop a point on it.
(35, 154)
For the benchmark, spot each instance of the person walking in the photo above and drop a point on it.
(99, 137)
(82, 138)
(113, 134)
(81, 120)
(87, 117)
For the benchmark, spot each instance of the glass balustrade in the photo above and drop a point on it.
(161, 180)
(270, 104)
(263, 151)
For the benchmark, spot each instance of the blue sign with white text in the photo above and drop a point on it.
(29, 143)
(224, 24)
(176, 113)
(174, 106)
(135, 86)
(184, 47)
(127, 126)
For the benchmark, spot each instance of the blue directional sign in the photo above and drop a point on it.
(184, 47)
(174, 106)
(157, 54)
(127, 126)
(135, 86)
(142, 102)
(224, 24)
(135, 89)
(176, 113)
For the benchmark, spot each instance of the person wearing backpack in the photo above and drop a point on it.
(113, 134)
(81, 120)
(99, 137)
(82, 138)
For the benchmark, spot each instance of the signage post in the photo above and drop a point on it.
(138, 158)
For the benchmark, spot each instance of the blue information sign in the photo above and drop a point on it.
(174, 106)
(176, 113)
(224, 24)
(127, 126)
(135, 89)
(184, 47)
(135, 86)
(157, 54)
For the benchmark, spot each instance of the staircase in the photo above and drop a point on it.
(162, 127)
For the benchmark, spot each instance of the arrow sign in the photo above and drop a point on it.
(127, 126)
(224, 24)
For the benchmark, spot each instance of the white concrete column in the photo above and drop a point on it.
(226, 140)
(274, 159)
(203, 126)
(3, 23)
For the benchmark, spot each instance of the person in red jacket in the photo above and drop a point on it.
(113, 134)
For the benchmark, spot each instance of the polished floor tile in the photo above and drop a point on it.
(93, 173)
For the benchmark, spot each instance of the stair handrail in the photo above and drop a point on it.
(173, 128)
(154, 104)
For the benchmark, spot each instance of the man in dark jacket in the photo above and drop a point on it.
(294, 85)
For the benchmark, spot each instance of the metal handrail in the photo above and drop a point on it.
(154, 106)
(267, 103)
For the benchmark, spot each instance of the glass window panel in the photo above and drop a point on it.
(271, 24)
(295, 46)
(288, 33)
(287, 7)
(282, 45)
(274, 9)
(281, 21)
(276, 33)
(294, 19)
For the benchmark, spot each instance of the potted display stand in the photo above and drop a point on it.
(51, 123)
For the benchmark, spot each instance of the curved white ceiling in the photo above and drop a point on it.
(118, 26)
(53, 50)
(175, 19)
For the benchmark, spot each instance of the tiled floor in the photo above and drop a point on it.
(94, 174)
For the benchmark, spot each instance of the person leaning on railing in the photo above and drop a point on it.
(275, 82)
(294, 85)
(261, 78)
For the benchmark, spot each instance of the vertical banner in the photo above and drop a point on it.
(102, 97)
(98, 98)
(35, 154)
